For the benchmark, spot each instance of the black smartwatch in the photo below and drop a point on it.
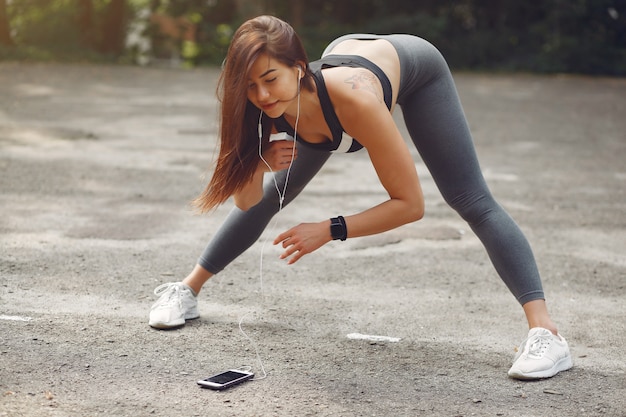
(338, 229)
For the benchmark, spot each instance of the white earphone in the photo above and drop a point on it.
(299, 79)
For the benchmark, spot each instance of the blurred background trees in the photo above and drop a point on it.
(578, 36)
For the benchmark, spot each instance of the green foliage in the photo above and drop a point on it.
(45, 24)
(583, 36)
(52, 29)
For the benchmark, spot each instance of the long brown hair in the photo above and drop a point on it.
(238, 155)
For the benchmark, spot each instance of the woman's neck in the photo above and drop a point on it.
(300, 105)
(310, 118)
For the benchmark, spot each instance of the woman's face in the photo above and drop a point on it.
(272, 85)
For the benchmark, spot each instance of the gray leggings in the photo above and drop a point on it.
(436, 123)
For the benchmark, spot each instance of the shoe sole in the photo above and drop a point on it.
(172, 325)
(562, 365)
(192, 316)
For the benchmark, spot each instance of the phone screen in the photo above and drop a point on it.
(227, 377)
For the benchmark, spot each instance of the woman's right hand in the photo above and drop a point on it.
(278, 155)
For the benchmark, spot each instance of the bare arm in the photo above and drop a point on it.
(365, 116)
(394, 166)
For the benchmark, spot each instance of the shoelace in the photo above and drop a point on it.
(539, 345)
(172, 296)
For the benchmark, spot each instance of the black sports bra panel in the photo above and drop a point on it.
(341, 142)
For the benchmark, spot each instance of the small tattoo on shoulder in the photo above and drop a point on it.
(365, 81)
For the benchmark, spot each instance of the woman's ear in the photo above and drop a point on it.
(301, 69)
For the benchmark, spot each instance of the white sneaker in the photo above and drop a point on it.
(541, 355)
(176, 304)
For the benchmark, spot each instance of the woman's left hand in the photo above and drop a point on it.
(302, 239)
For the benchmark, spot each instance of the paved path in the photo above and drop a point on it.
(97, 165)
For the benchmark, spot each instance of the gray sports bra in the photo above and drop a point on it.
(341, 141)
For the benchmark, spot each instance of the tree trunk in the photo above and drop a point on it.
(86, 23)
(5, 28)
(114, 29)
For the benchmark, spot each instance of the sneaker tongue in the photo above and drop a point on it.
(539, 331)
(539, 341)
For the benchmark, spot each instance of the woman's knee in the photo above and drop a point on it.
(475, 207)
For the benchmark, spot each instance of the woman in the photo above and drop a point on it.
(343, 103)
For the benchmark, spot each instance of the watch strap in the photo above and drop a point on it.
(338, 229)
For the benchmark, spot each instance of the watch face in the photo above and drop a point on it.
(336, 229)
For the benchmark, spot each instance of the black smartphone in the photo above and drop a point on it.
(225, 379)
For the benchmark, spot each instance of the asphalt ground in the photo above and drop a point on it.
(98, 165)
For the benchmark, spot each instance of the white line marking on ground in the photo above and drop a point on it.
(372, 338)
(14, 318)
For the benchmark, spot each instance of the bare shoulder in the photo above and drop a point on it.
(381, 52)
(357, 98)
(350, 86)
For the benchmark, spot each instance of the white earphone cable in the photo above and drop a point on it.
(281, 198)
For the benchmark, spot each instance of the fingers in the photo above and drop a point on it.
(280, 154)
(294, 250)
(288, 153)
(292, 254)
(281, 237)
(295, 258)
(301, 240)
